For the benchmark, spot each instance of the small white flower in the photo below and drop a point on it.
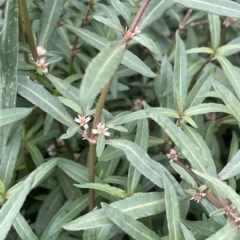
(41, 50)
(173, 154)
(198, 196)
(228, 21)
(41, 65)
(101, 130)
(52, 150)
(60, 142)
(83, 120)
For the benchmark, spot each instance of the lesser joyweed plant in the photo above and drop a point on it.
(119, 119)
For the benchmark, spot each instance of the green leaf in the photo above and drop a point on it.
(231, 72)
(100, 71)
(23, 229)
(229, 99)
(135, 206)
(200, 50)
(65, 214)
(226, 190)
(66, 89)
(129, 59)
(232, 168)
(9, 43)
(206, 227)
(135, 229)
(11, 115)
(203, 85)
(206, 108)
(220, 7)
(227, 50)
(143, 163)
(9, 159)
(110, 23)
(234, 146)
(215, 29)
(172, 209)
(47, 124)
(13, 205)
(142, 140)
(105, 188)
(36, 94)
(182, 141)
(123, 10)
(229, 231)
(186, 232)
(35, 153)
(148, 43)
(70, 132)
(180, 84)
(48, 209)
(110, 153)
(74, 106)
(100, 145)
(155, 10)
(48, 21)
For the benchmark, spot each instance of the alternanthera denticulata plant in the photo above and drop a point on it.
(119, 119)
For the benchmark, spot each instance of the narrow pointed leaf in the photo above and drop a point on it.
(206, 108)
(200, 50)
(35, 153)
(135, 229)
(215, 30)
(110, 23)
(11, 115)
(229, 99)
(23, 229)
(48, 21)
(172, 210)
(228, 49)
(220, 7)
(13, 205)
(186, 232)
(9, 159)
(154, 11)
(100, 71)
(123, 10)
(70, 132)
(143, 163)
(37, 95)
(129, 59)
(232, 168)
(232, 73)
(105, 188)
(180, 75)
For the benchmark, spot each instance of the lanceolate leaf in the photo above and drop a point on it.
(100, 71)
(51, 13)
(129, 59)
(180, 75)
(154, 11)
(13, 205)
(229, 99)
(110, 23)
(11, 115)
(143, 163)
(172, 210)
(36, 94)
(135, 229)
(141, 205)
(220, 7)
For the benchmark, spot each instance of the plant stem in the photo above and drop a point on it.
(28, 28)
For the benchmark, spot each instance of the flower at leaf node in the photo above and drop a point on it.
(41, 66)
(101, 130)
(173, 154)
(83, 121)
(198, 196)
(41, 50)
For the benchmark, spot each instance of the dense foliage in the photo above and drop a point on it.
(119, 119)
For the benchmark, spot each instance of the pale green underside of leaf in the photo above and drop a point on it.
(220, 7)
(200, 50)
(215, 29)
(227, 50)
(128, 224)
(109, 23)
(10, 115)
(129, 59)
